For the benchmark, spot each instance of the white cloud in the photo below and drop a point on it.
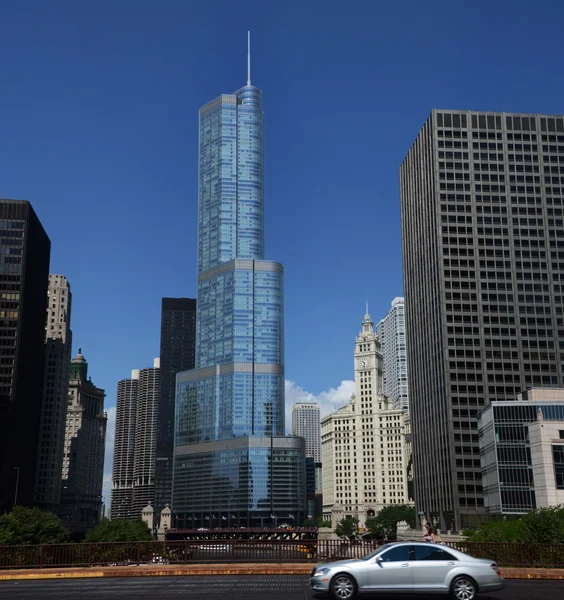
(328, 400)
(109, 456)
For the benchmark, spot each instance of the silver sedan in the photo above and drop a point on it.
(405, 567)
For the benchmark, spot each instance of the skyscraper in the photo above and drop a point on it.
(135, 443)
(124, 447)
(58, 343)
(178, 353)
(391, 331)
(146, 418)
(83, 461)
(229, 444)
(482, 196)
(363, 443)
(24, 274)
(306, 423)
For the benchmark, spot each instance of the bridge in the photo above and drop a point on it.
(244, 533)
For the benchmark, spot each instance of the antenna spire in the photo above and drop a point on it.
(367, 307)
(248, 58)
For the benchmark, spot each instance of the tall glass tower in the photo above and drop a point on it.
(230, 450)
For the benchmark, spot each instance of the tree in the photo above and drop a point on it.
(497, 531)
(31, 526)
(541, 526)
(385, 524)
(317, 522)
(544, 526)
(346, 528)
(119, 531)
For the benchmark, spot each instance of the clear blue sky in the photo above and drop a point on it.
(98, 129)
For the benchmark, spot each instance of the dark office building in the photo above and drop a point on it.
(24, 275)
(482, 205)
(178, 347)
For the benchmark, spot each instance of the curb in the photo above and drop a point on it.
(160, 571)
(219, 569)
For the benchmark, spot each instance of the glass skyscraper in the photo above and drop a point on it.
(230, 408)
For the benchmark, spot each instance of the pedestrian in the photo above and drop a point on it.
(429, 533)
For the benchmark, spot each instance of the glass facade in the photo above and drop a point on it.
(236, 391)
(24, 275)
(505, 453)
(246, 481)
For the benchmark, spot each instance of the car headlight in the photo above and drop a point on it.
(322, 571)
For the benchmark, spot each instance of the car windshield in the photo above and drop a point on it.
(377, 551)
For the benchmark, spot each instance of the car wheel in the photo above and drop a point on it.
(343, 587)
(464, 588)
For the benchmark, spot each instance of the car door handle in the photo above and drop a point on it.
(405, 565)
(451, 563)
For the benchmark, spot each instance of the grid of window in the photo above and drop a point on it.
(558, 457)
(58, 342)
(506, 454)
(84, 448)
(391, 331)
(482, 201)
(247, 481)
(24, 272)
(306, 423)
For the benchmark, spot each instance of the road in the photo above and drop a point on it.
(254, 587)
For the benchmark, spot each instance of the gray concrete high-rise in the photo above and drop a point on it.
(135, 443)
(482, 207)
(124, 447)
(306, 423)
(58, 343)
(146, 419)
(391, 331)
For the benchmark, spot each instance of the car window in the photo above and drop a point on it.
(378, 551)
(397, 553)
(432, 552)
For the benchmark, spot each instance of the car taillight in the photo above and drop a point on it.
(495, 568)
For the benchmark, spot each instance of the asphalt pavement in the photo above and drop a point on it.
(253, 587)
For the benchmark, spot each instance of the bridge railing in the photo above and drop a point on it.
(252, 551)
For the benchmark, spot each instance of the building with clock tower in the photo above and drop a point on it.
(364, 442)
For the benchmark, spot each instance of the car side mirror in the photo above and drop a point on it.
(378, 559)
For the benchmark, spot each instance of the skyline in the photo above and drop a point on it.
(103, 143)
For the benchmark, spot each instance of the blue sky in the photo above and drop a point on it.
(98, 129)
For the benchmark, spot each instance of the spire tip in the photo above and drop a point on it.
(248, 58)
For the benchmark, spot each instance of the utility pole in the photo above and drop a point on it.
(17, 469)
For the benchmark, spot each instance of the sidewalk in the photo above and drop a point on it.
(218, 569)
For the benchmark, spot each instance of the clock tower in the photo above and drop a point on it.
(368, 363)
(364, 442)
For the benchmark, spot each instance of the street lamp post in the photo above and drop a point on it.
(17, 469)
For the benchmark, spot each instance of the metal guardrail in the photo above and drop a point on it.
(264, 551)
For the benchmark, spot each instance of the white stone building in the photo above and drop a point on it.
(363, 443)
(306, 423)
(83, 460)
(547, 459)
(391, 331)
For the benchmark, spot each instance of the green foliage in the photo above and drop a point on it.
(384, 525)
(541, 526)
(31, 526)
(346, 528)
(497, 531)
(544, 526)
(119, 531)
